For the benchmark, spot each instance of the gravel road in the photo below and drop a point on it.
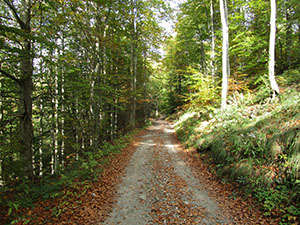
(160, 188)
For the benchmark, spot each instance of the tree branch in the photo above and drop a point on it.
(6, 74)
(14, 11)
(3, 123)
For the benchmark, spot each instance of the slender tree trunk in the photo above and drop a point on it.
(55, 117)
(1, 131)
(116, 117)
(62, 121)
(41, 128)
(41, 106)
(55, 132)
(133, 63)
(62, 151)
(272, 42)
(145, 88)
(203, 56)
(91, 114)
(77, 129)
(299, 33)
(225, 56)
(289, 40)
(56, 129)
(212, 56)
(41, 141)
(96, 97)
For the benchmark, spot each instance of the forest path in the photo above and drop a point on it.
(160, 188)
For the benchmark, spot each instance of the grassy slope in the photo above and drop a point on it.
(256, 146)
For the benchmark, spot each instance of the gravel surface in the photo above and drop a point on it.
(159, 188)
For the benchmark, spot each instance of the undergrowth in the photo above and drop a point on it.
(67, 184)
(254, 143)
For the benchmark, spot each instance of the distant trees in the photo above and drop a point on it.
(73, 76)
(253, 50)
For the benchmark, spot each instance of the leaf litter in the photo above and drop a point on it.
(154, 180)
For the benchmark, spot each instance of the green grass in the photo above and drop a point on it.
(255, 145)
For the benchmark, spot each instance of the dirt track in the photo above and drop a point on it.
(160, 188)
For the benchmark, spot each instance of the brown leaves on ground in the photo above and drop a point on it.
(94, 201)
(171, 197)
(243, 210)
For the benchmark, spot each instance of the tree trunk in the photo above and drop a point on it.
(225, 57)
(41, 128)
(272, 42)
(62, 151)
(145, 89)
(133, 63)
(41, 141)
(1, 131)
(289, 40)
(54, 158)
(26, 115)
(26, 87)
(212, 39)
(62, 155)
(77, 128)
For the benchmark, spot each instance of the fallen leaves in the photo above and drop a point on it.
(242, 210)
(171, 199)
(172, 203)
(96, 200)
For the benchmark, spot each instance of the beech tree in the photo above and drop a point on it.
(272, 42)
(200, 38)
(20, 25)
(213, 37)
(225, 57)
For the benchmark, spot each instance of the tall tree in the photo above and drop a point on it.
(213, 37)
(22, 16)
(272, 42)
(133, 60)
(225, 57)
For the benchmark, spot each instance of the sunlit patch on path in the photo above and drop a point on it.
(159, 187)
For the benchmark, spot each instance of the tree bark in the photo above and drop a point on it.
(212, 39)
(225, 56)
(1, 131)
(272, 42)
(289, 40)
(26, 88)
(133, 63)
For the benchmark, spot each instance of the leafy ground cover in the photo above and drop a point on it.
(255, 144)
(81, 194)
(166, 184)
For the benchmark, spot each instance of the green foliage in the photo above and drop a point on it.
(202, 90)
(289, 77)
(72, 182)
(263, 90)
(255, 146)
(197, 45)
(80, 91)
